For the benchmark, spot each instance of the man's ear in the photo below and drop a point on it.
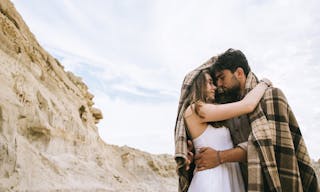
(239, 73)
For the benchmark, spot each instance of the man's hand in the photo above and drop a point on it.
(206, 159)
(190, 155)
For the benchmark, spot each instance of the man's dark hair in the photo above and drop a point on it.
(231, 60)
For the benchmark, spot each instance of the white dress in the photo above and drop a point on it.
(225, 177)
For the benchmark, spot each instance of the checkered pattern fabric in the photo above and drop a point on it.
(277, 156)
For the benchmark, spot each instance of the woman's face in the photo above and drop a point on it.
(210, 88)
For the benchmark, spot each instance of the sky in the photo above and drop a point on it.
(134, 54)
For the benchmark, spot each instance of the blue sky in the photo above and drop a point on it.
(134, 54)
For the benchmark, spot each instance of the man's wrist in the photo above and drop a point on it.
(219, 157)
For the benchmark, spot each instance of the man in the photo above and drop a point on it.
(231, 85)
(277, 156)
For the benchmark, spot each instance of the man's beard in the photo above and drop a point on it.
(228, 95)
(210, 100)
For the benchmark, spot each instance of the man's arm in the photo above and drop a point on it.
(243, 145)
(210, 158)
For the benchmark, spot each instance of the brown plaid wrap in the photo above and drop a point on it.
(180, 129)
(277, 156)
(278, 159)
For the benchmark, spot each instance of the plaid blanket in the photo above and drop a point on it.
(180, 129)
(277, 156)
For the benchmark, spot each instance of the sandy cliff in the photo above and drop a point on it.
(48, 134)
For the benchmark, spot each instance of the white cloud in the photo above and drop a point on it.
(137, 51)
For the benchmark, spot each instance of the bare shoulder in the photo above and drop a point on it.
(188, 112)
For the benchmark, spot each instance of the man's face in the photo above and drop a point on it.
(229, 83)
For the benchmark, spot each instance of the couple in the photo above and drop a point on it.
(258, 129)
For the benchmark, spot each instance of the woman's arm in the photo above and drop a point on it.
(214, 112)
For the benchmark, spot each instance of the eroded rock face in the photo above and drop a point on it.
(48, 135)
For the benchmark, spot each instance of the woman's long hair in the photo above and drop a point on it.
(198, 95)
(198, 92)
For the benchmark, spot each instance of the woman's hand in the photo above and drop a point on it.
(266, 81)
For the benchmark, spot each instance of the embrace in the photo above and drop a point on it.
(236, 133)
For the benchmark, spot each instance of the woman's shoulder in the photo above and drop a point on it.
(190, 109)
(188, 112)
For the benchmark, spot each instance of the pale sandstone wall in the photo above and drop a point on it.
(48, 134)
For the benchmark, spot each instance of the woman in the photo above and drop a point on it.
(226, 176)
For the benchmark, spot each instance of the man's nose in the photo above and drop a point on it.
(219, 83)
